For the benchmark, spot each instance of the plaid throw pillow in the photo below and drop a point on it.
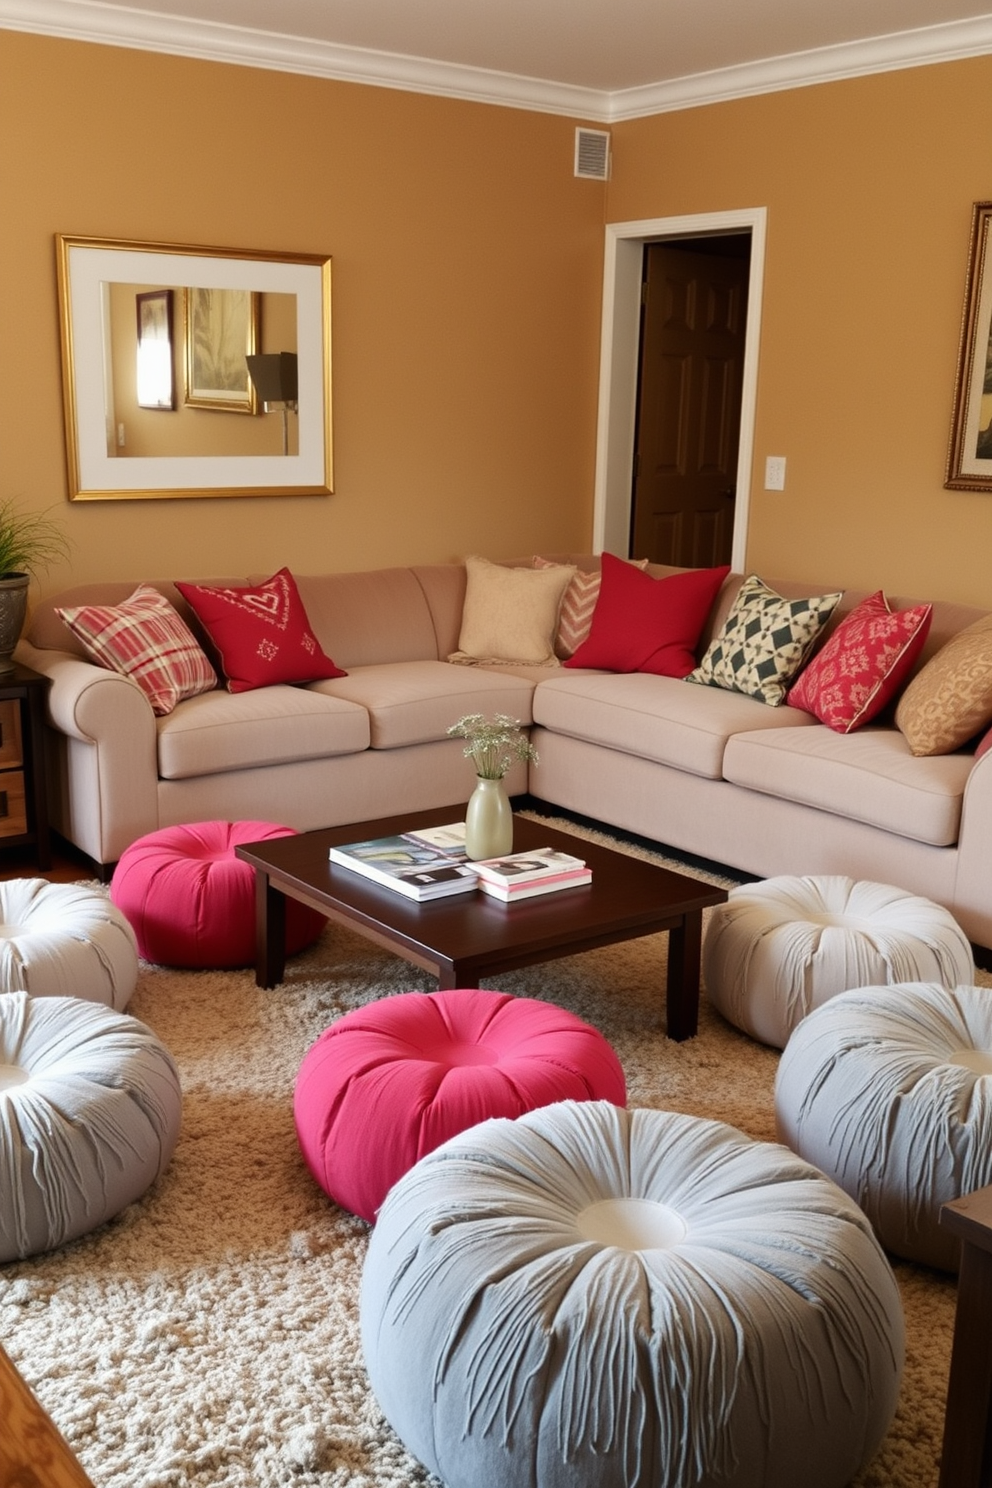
(764, 641)
(147, 640)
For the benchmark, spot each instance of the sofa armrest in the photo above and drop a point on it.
(105, 764)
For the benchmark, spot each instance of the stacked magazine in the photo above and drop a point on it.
(432, 863)
(412, 864)
(521, 875)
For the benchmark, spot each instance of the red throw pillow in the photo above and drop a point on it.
(261, 632)
(643, 624)
(578, 605)
(985, 745)
(863, 664)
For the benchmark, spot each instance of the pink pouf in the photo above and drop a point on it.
(191, 902)
(391, 1081)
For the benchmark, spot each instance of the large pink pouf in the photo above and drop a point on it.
(191, 902)
(391, 1081)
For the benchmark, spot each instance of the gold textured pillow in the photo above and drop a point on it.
(950, 700)
(511, 614)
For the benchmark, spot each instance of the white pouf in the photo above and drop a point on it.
(65, 940)
(888, 1090)
(90, 1107)
(780, 948)
(592, 1297)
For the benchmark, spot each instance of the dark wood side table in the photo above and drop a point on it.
(966, 1458)
(23, 775)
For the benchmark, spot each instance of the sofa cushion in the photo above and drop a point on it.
(868, 776)
(261, 632)
(657, 718)
(511, 614)
(144, 639)
(863, 664)
(267, 726)
(763, 641)
(644, 624)
(416, 702)
(950, 700)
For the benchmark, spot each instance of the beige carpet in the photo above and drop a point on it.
(209, 1336)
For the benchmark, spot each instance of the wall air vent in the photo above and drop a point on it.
(592, 154)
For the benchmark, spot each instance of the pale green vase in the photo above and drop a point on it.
(488, 821)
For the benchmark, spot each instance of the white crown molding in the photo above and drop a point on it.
(920, 48)
(150, 31)
(123, 26)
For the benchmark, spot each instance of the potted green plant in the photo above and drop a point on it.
(493, 745)
(29, 543)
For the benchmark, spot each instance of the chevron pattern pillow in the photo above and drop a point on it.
(578, 603)
(764, 641)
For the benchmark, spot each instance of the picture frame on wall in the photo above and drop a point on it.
(221, 331)
(156, 381)
(969, 458)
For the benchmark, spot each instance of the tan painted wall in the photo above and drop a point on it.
(869, 186)
(467, 282)
(467, 265)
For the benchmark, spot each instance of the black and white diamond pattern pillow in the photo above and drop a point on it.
(764, 641)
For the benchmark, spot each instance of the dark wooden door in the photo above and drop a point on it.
(689, 403)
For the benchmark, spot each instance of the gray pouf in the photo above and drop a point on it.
(779, 948)
(65, 940)
(588, 1295)
(90, 1109)
(889, 1091)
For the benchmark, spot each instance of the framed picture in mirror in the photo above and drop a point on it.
(155, 380)
(221, 331)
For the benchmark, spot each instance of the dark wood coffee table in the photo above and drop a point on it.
(465, 937)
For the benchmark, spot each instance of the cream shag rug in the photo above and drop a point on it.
(209, 1335)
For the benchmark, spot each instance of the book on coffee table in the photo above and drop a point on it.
(521, 875)
(408, 866)
(526, 890)
(515, 869)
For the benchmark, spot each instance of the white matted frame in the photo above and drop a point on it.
(86, 268)
(619, 349)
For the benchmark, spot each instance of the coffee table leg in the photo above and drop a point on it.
(682, 990)
(270, 932)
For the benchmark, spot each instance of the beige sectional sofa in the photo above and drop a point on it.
(713, 773)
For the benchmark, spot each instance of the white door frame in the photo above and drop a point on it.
(619, 353)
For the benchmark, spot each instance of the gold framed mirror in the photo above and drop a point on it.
(213, 307)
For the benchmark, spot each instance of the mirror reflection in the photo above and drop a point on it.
(178, 381)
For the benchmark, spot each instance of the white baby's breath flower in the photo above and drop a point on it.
(494, 744)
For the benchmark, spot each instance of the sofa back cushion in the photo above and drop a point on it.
(367, 618)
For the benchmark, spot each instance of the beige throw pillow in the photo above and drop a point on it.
(511, 614)
(950, 700)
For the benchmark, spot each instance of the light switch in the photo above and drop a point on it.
(775, 473)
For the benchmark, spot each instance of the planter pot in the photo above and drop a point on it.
(13, 608)
(488, 821)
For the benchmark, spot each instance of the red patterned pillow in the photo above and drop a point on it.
(863, 664)
(261, 632)
(145, 639)
(577, 605)
(644, 624)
